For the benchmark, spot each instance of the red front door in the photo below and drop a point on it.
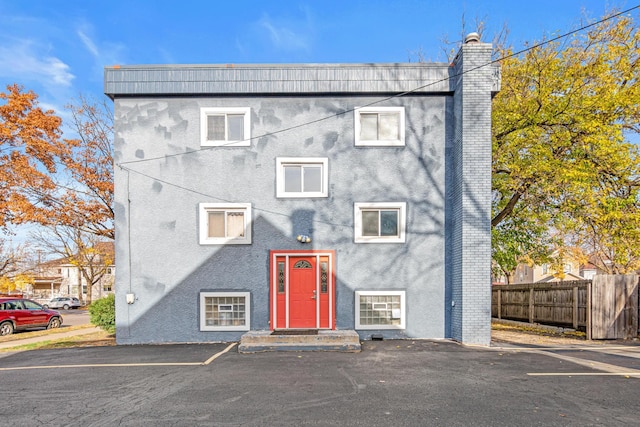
(302, 292)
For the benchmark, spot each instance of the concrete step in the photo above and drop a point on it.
(325, 340)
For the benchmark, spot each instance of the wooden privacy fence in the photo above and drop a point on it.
(605, 307)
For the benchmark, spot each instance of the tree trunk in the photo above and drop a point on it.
(89, 291)
(79, 283)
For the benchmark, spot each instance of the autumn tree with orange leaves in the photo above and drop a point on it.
(90, 165)
(52, 181)
(30, 146)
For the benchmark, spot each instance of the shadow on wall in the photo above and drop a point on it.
(414, 174)
(175, 317)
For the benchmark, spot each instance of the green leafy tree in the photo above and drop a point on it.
(516, 243)
(561, 159)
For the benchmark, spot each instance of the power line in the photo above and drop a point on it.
(321, 119)
(121, 164)
(209, 196)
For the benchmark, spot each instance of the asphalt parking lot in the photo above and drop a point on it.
(388, 383)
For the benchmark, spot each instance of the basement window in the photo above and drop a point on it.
(380, 310)
(224, 311)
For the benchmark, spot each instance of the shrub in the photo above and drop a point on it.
(102, 313)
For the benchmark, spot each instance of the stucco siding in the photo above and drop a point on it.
(159, 256)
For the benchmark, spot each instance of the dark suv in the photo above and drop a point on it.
(19, 314)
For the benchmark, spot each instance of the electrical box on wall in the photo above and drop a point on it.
(131, 298)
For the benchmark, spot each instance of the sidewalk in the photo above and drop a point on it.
(48, 337)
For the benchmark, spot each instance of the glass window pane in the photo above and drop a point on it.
(280, 277)
(215, 128)
(216, 224)
(225, 311)
(30, 305)
(312, 178)
(323, 276)
(369, 127)
(235, 224)
(236, 127)
(389, 127)
(292, 179)
(370, 223)
(389, 223)
(374, 312)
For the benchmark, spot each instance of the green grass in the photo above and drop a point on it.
(100, 338)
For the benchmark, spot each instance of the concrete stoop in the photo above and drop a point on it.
(325, 340)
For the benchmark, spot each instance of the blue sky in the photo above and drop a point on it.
(58, 48)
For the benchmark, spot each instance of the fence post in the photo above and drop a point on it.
(499, 303)
(531, 306)
(575, 307)
(589, 290)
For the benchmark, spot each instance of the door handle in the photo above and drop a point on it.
(314, 294)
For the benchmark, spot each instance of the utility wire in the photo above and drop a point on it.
(321, 119)
(209, 196)
(121, 164)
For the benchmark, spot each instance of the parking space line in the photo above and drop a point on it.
(600, 366)
(584, 374)
(123, 365)
(215, 356)
(102, 365)
(567, 348)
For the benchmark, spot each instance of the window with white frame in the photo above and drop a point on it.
(225, 126)
(379, 126)
(302, 177)
(380, 310)
(382, 222)
(225, 223)
(225, 311)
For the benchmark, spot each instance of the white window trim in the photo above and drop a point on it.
(282, 161)
(379, 143)
(403, 309)
(247, 308)
(204, 208)
(206, 111)
(357, 222)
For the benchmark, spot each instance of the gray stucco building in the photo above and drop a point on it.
(314, 196)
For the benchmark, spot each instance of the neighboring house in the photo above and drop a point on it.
(589, 270)
(61, 277)
(311, 196)
(545, 273)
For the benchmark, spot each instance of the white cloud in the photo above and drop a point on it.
(283, 37)
(59, 110)
(21, 59)
(88, 43)
(59, 71)
(104, 53)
